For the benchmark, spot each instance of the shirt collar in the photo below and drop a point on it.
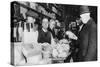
(44, 30)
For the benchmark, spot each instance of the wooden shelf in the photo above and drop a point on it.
(60, 9)
(48, 9)
(32, 9)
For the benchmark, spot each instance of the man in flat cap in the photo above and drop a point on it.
(87, 37)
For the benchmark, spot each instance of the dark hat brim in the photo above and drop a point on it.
(84, 9)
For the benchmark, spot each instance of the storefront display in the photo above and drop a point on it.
(55, 24)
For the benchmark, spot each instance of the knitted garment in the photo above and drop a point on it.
(44, 37)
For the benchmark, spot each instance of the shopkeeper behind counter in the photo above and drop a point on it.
(44, 35)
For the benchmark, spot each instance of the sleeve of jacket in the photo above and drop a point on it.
(92, 44)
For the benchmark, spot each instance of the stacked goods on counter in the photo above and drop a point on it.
(61, 50)
(41, 53)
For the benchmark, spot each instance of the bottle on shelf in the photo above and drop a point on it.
(15, 30)
(20, 30)
(31, 29)
(14, 33)
(25, 28)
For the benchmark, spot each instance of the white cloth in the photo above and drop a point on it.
(30, 37)
(18, 57)
(33, 55)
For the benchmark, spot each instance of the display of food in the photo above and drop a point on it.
(59, 51)
(47, 52)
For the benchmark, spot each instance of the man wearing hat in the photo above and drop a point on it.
(87, 37)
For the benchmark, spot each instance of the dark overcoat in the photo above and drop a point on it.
(88, 42)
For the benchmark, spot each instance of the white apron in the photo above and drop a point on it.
(33, 55)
